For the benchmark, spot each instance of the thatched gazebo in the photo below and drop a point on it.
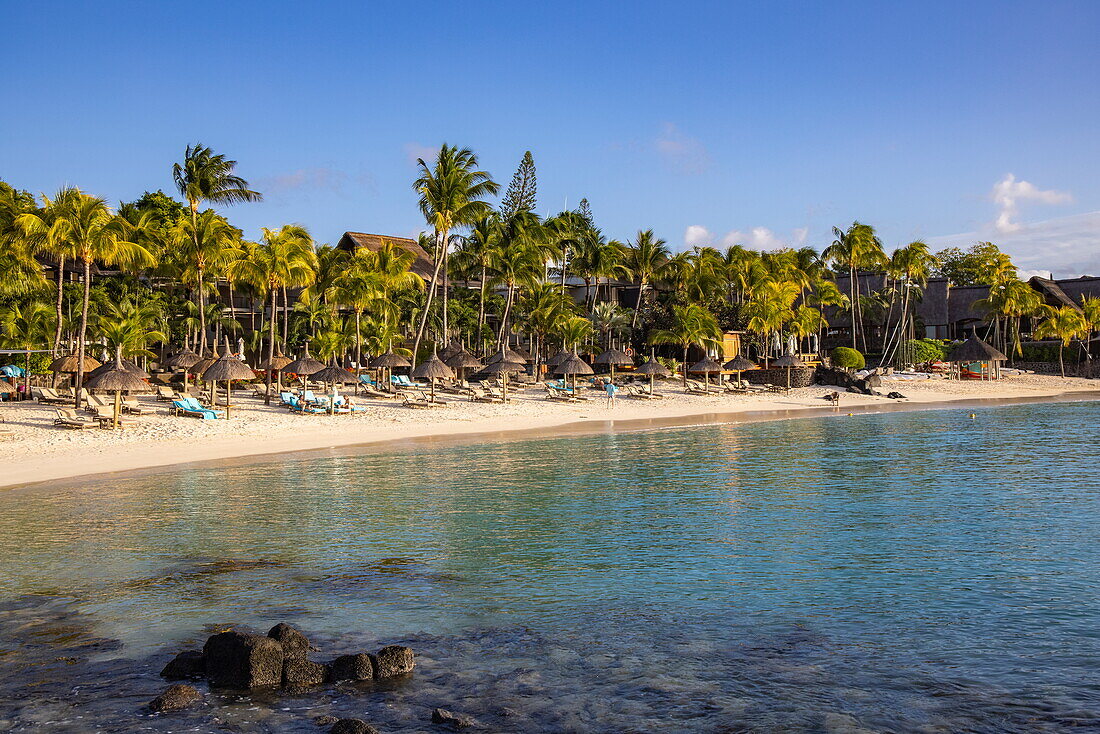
(226, 369)
(654, 369)
(116, 378)
(304, 366)
(707, 366)
(184, 360)
(433, 369)
(573, 365)
(386, 362)
(789, 361)
(503, 368)
(614, 358)
(739, 364)
(975, 349)
(333, 375)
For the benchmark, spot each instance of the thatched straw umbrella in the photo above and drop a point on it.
(573, 365)
(612, 358)
(304, 366)
(461, 361)
(706, 365)
(788, 361)
(386, 362)
(276, 365)
(558, 358)
(117, 378)
(739, 364)
(503, 368)
(506, 355)
(70, 365)
(6, 388)
(432, 370)
(127, 364)
(653, 368)
(334, 375)
(184, 360)
(523, 354)
(974, 349)
(227, 368)
(451, 350)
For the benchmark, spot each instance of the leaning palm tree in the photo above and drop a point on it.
(205, 244)
(692, 326)
(854, 249)
(1065, 324)
(646, 259)
(451, 194)
(207, 177)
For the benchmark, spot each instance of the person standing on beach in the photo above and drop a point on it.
(610, 388)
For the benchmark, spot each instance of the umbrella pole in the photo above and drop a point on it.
(651, 378)
(118, 407)
(505, 376)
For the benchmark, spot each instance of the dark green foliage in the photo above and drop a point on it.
(847, 358)
(969, 267)
(162, 210)
(521, 194)
(1048, 352)
(922, 351)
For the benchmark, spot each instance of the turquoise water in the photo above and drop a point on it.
(896, 572)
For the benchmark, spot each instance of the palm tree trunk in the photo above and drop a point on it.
(504, 319)
(637, 306)
(1061, 363)
(854, 306)
(270, 346)
(286, 316)
(428, 302)
(481, 309)
(358, 344)
(60, 301)
(446, 289)
(84, 332)
(684, 367)
(201, 300)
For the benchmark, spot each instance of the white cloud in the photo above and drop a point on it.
(321, 178)
(1068, 246)
(758, 238)
(681, 152)
(1008, 193)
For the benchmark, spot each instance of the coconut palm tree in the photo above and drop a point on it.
(646, 259)
(203, 244)
(208, 177)
(475, 255)
(27, 327)
(855, 249)
(517, 265)
(770, 308)
(452, 194)
(1065, 324)
(692, 325)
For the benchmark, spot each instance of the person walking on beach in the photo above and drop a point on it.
(610, 388)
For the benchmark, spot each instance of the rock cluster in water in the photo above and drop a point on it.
(241, 660)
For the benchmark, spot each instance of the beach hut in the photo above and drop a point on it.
(503, 368)
(789, 361)
(432, 370)
(974, 349)
(739, 364)
(226, 369)
(654, 369)
(614, 358)
(116, 378)
(573, 365)
(707, 366)
(332, 376)
(184, 360)
(304, 366)
(386, 362)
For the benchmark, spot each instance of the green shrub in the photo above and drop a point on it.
(847, 358)
(921, 351)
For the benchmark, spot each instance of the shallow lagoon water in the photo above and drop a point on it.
(916, 571)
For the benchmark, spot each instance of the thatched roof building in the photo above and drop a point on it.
(422, 266)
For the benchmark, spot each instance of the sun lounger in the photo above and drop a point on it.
(165, 394)
(484, 396)
(67, 418)
(421, 401)
(636, 391)
(299, 406)
(191, 409)
(132, 406)
(49, 396)
(556, 393)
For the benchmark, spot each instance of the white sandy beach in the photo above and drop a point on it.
(39, 452)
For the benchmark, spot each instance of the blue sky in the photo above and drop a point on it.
(761, 123)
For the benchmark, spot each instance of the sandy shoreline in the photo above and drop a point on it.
(39, 452)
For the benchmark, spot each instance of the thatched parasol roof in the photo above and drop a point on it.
(304, 365)
(506, 355)
(6, 387)
(522, 353)
(463, 360)
(573, 365)
(614, 356)
(117, 378)
(332, 373)
(182, 360)
(227, 367)
(975, 350)
(740, 364)
(788, 360)
(557, 358)
(127, 364)
(70, 363)
(451, 350)
(390, 360)
(706, 364)
(652, 367)
(276, 363)
(503, 366)
(433, 369)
